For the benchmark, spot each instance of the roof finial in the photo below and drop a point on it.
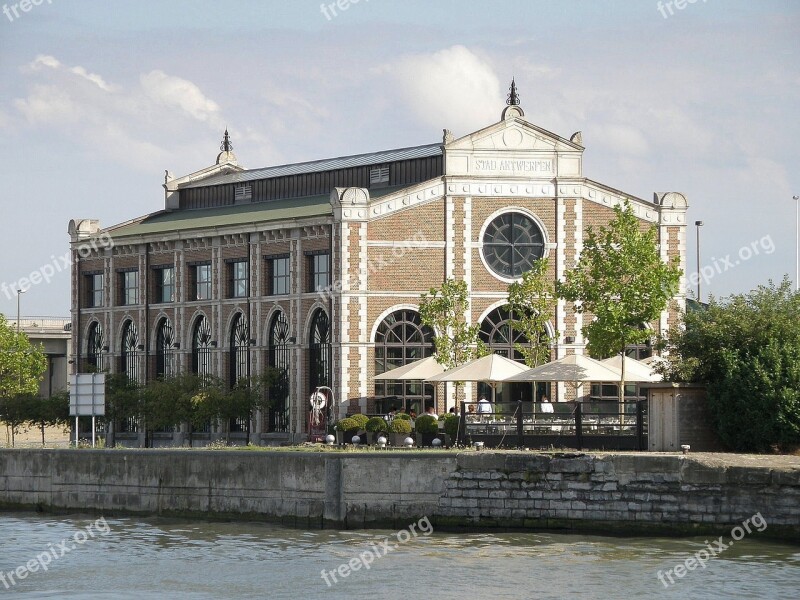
(226, 145)
(513, 98)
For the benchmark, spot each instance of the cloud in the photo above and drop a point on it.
(129, 124)
(50, 62)
(175, 92)
(452, 88)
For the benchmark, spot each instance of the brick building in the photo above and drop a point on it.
(317, 268)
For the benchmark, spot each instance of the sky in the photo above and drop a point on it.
(99, 98)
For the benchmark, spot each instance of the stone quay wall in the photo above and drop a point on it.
(609, 493)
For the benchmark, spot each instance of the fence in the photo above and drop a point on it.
(597, 425)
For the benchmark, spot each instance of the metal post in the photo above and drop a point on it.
(578, 425)
(698, 225)
(520, 443)
(93, 429)
(76, 431)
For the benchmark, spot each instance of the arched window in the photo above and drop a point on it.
(130, 355)
(512, 242)
(165, 349)
(94, 347)
(279, 359)
(319, 368)
(500, 337)
(201, 347)
(239, 359)
(401, 338)
(239, 350)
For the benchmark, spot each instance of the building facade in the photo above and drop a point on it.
(317, 268)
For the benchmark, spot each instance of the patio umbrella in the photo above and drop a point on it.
(575, 368)
(491, 368)
(635, 371)
(419, 369)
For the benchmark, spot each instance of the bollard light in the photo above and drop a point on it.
(356, 440)
(409, 442)
(330, 439)
(686, 448)
(382, 442)
(478, 445)
(436, 442)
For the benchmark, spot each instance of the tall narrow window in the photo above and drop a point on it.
(94, 347)
(130, 288)
(319, 272)
(279, 276)
(202, 282)
(201, 347)
(239, 279)
(319, 351)
(165, 284)
(130, 354)
(239, 350)
(279, 359)
(94, 290)
(401, 338)
(239, 361)
(165, 349)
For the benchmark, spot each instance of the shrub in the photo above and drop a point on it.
(400, 426)
(403, 416)
(451, 425)
(360, 419)
(348, 424)
(376, 425)
(427, 424)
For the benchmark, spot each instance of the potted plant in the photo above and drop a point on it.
(427, 427)
(375, 427)
(451, 427)
(347, 428)
(399, 430)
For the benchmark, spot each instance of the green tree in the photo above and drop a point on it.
(15, 411)
(22, 365)
(746, 350)
(123, 401)
(622, 282)
(443, 310)
(52, 411)
(532, 301)
(456, 341)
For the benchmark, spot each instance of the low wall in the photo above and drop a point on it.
(624, 493)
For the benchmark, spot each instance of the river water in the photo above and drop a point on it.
(164, 558)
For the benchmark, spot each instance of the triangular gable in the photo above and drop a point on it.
(513, 148)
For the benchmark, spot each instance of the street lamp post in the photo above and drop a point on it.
(797, 243)
(19, 293)
(698, 225)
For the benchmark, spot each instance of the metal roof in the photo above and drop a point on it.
(318, 166)
(258, 212)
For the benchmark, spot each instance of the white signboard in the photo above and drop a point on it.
(87, 395)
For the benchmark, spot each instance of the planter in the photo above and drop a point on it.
(396, 439)
(346, 437)
(372, 437)
(425, 440)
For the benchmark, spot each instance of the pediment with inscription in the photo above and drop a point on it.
(513, 148)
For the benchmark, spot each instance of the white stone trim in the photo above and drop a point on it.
(578, 249)
(405, 244)
(406, 198)
(561, 237)
(449, 232)
(386, 313)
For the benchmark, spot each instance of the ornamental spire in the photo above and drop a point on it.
(513, 98)
(226, 145)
